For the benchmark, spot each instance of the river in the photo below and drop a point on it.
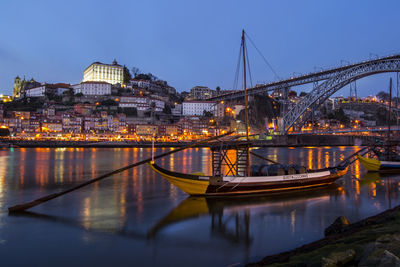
(137, 218)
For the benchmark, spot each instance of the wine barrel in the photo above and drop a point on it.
(290, 170)
(299, 169)
(255, 170)
(272, 170)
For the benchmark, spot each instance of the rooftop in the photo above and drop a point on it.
(95, 82)
(199, 101)
(114, 64)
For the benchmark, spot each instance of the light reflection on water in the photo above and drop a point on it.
(138, 217)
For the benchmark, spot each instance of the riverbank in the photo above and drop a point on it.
(374, 241)
(273, 141)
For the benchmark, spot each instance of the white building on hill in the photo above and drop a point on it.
(197, 108)
(54, 89)
(92, 88)
(141, 103)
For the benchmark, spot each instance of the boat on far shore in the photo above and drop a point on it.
(385, 157)
(382, 166)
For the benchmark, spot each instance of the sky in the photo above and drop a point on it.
(189, 43)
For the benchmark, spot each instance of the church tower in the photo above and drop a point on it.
(17, 87)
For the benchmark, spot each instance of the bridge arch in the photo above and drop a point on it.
(330, 86)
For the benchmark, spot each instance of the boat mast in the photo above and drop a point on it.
(246, 102)
(390, 118)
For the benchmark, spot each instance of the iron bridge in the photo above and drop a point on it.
(333, 80)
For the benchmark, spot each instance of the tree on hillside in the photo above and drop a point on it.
(218, 89)
(132, 111)
(292, 93)
(4, 132)
(109, 102)
(383, 95)
(167, 109)
(127, 75)
(142, 76)
(25, 104)
(207, 114)
(153, 77)
(259, 108)
(340, 116)
(135, 71)
(147, 77)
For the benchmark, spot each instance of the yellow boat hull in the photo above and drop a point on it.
(372, 165)
(216, 186)
(192, 187)
(381, 166)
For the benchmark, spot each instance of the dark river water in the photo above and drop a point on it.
(136, 218)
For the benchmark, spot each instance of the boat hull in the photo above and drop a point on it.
(216, 186)
(374, 165)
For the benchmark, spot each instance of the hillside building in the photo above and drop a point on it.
(54, 89)
(92, 88)
(141, 103)
(197, 108)
(100, 72)
(201, 93)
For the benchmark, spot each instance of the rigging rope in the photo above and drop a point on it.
(236, 78)
(248, 65)
(265, 60)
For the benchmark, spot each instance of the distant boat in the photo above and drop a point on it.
(376, 165)
(242, 178)
(387, 157)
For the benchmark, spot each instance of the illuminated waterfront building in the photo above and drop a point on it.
(146, 129)
(52, 126)
(100, 72)
(71, 124)
(169, 130)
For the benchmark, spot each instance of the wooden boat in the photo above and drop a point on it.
(204, 185)
(382, 166)
(240, 179)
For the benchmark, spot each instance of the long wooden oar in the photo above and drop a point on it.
(352, 155)
(264, 158)
(25, 206)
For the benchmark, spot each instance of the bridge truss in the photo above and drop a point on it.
(296, 81)
(333, 80)
(321, 92)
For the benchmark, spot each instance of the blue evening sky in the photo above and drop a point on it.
(191, 42)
